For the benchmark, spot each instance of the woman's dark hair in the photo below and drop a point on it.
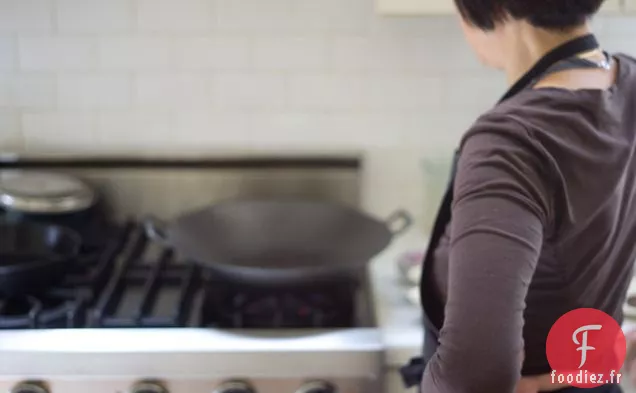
(548, 14)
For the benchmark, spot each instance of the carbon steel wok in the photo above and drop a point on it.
(279, 242)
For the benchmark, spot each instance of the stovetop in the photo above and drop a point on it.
(124, 280)
(132, 311)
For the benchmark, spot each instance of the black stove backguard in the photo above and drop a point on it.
(124, 280)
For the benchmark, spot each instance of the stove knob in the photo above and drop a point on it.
(234, 387)
(30, 387)
(317, 387)
(149, 387)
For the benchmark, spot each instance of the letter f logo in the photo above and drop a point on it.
(583, 343)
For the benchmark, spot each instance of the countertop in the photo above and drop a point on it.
(392, 180)
(399, 320)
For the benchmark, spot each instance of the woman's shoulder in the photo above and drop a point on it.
(495, 130)
(501, 134)
(626, 59)
(507, 138)
(557, 118)
(561, 119)
(499, 157)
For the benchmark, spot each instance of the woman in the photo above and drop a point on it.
(540, 217)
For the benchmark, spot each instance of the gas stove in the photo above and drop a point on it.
(124, 280)
(134, 316)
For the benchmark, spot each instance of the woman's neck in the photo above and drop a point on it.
(529, 44)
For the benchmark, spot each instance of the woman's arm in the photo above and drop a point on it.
(500, 210)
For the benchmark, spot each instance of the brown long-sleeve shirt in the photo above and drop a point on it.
(543, 222)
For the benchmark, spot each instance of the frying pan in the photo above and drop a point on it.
(33, 257)
(279, 242)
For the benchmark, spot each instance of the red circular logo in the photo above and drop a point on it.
(586, 348)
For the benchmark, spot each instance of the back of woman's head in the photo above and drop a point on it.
(547, 14)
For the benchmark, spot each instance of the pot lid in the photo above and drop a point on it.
(43, 192)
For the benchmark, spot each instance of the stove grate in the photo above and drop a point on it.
(66, 305)
(124, 280)
(135, 297)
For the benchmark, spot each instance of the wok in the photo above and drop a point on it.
(279, 242)
(34, 257)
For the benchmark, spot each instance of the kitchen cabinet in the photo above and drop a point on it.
(415, 7)
(612, 6)
(441, 7)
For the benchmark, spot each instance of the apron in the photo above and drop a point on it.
(559, 59)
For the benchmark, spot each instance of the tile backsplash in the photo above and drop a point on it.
(148, 76)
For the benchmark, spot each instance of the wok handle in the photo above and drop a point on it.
(399, 222)
(155, 230)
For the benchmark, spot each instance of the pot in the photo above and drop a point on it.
(47, 197)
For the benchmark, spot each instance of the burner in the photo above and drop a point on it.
(328, 306)
(48, 311)
(65, 306)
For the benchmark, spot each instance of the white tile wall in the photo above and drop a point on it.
(94, 16)
(10, 138)
(226, 128)
(175, 16)
(169, 90)
(96, 91)
(28, 90)
(121, 129)
(332, 15)
(213, 52)
(250, 90)
(166, 75)
(26, 15)
(132, 52)
(403, 92)
(290, 53)
(325, 91)
(58, 130)
(8, 52)
(49, 53)
(249, 16)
